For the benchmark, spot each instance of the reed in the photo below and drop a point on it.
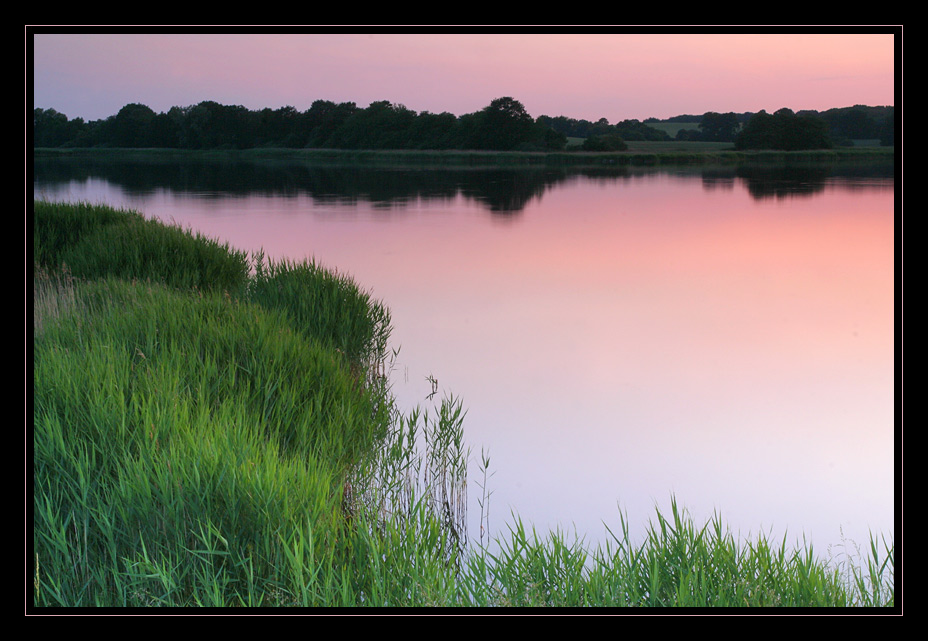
(52, 295)
(160, 417)
(185, 441)
(639, 153)
(678, 564)
(95, 241)
(324, 305)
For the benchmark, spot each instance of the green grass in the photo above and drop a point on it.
(221, 434)
(95, 241)
(326, 306)
(679, 564)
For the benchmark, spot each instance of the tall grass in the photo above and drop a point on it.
(185, 435)
(95, 241)
(235, 444)
(52, 295)
(678, 564)
(326, 306)
(639, 153)
(422, 464)
(164, 416)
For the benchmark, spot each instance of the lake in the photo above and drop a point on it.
(724, 335)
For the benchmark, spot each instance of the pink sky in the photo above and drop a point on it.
(591, 76)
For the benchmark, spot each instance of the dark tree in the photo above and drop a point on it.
(434, 131)
(604, 142)
(53, 129)
(278, 128)
(888, 130)
(637, 130)
(382, 125)
(758, 133)
(501, 126)
(164, 131)
(688, 135)
(209, 125)
(323, 118)
(718, 127)
(784, 130)
(131, 126)
(600, 128)
(856, 124)
(551, 140)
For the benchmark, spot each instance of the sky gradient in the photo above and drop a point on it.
(585, 76)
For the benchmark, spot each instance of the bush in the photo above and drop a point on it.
(604, 142)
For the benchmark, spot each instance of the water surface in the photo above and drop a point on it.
(725, 335)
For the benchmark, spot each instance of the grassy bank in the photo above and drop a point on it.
(214, 429)
(638, 154)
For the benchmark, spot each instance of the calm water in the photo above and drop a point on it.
(726, 336)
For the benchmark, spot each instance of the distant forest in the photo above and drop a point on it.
(503, 125)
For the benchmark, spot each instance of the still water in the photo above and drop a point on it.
(724, 336)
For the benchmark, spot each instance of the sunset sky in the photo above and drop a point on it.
(616, 76)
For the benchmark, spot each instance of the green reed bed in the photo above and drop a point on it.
(223, 435)
(185, 438)
(639, 153)
(94, 241)
(679, 564)
(161, 417)
(325, 305)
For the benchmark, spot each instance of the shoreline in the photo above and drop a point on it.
(644, 155)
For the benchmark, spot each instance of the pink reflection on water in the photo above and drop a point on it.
(620, 340)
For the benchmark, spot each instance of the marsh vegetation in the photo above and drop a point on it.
(212, 428)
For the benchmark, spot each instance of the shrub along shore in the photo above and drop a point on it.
(639, 154)
(215, 429)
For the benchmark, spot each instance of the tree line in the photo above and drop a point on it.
(503, 125)
(788, 130)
